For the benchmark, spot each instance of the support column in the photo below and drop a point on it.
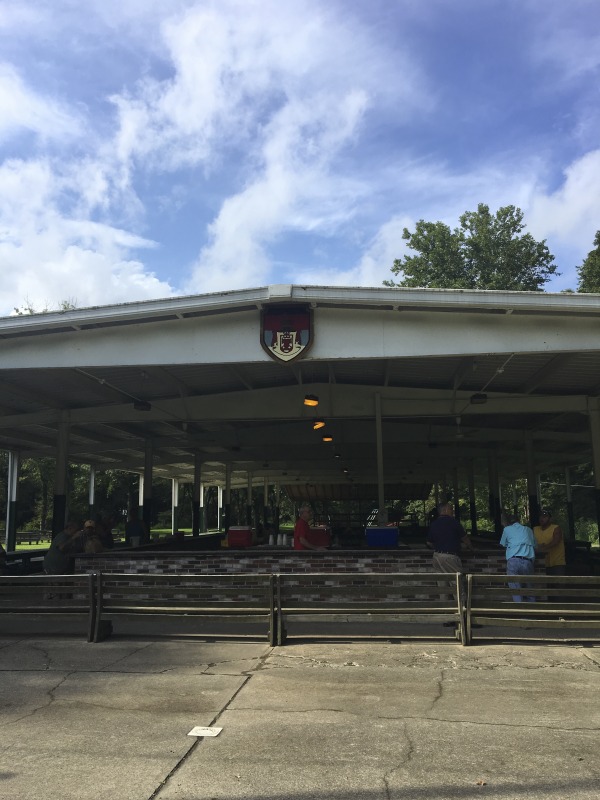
(532, 496)
(12, 499)
(494, 492)
(219, 506)
(197, 496)
(455, 493)
(147, 489)
(265, 504)
(203, 510)
(92, 493)
(174, 505)
(472, 504)
(381, 509)
(570, 514)
(249, 508)
(594, 414)
(227, 509)
(59, 512)
(277, 510)
(140, 496)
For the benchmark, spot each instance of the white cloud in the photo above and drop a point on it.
(293, 190)
(568, 36)
(22, 108)
(572, 212)
(46, 256)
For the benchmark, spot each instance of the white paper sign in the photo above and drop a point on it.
(198, 731)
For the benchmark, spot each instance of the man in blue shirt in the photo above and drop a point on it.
(520, 551)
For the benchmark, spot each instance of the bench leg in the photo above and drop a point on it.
(104, 629)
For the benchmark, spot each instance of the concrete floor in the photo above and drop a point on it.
(346, 721)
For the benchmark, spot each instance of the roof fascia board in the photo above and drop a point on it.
(378, 297)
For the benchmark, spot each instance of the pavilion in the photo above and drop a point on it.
(415, 386)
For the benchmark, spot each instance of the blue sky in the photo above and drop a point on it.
(150, 148)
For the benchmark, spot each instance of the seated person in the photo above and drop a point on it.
(59, 558)
(92, 539)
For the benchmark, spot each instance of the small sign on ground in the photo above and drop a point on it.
(199, 731)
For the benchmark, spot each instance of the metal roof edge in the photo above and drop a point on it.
(400, 298)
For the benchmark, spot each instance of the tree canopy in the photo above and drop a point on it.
(486, 251)
(589, 271)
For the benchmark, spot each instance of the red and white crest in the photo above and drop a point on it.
(286, 331)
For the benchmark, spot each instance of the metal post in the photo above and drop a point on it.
(594, 415)
(472, 503)
(532, 495)
(381, 510)
(147, 489)
(219, 506)
(12, 498)
(203, 510)
(570, 514)
(174, 505)
(277, 510)
(266, 503)
(197, 496)
(455, 493)
(59, 513)
(140, 496)
(249, 507)
(494, 492)
(227, 510)
(92, 493)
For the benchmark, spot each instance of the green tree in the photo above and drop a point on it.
(589, 271)
(487, 251)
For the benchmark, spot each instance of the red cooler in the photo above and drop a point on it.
(239, 536)
(320, 537)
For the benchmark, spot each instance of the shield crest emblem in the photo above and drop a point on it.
(286, 331)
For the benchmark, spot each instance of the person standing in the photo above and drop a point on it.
(549, 540)
(135, 529)
(303, 537)
(520, 551)
(447, 537)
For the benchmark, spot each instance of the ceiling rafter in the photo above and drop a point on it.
(549, 370)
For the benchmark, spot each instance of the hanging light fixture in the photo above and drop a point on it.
(328, 437)
(478, 399)
(318, 423)
(311, 400)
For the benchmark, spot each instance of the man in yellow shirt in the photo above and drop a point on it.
(549, 540)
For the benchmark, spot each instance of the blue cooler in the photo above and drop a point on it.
(382, 537)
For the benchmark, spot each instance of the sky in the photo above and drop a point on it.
(155, 148)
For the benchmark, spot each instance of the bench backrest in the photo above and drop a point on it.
(569, 591)
(117, 590)
(368, 590)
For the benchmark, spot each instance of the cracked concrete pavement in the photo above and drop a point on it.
(321, 720)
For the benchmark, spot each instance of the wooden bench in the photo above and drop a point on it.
(219, 598)
(388, 599)
(564, 603)
(49, 594)
(33, 537)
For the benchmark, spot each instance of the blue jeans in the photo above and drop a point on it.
(520, 566)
